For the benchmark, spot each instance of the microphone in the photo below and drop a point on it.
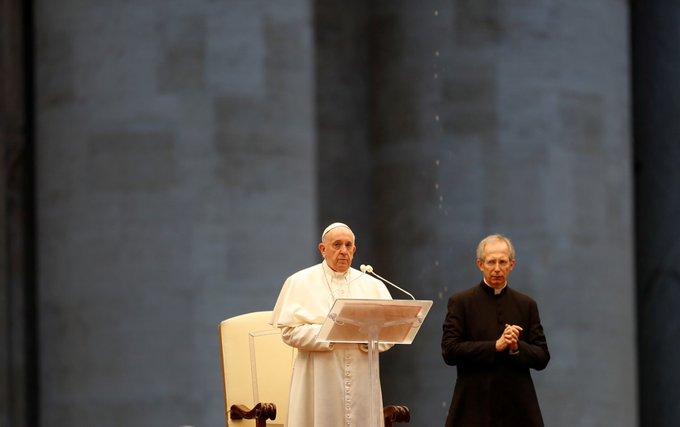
(367, 269)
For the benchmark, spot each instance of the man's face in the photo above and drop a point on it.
(496, 264)
(338, 249)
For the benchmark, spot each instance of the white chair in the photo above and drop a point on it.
(256, 370)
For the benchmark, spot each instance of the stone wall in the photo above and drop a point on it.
(188, 154)
(177, 188)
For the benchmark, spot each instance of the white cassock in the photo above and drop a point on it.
(331, 382)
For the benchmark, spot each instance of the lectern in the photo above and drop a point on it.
(374, 321)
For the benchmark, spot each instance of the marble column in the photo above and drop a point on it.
(503, 116)
(176, 188)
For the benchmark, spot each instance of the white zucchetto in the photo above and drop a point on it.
(332, 226)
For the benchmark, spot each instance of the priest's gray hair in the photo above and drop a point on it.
(491, 238)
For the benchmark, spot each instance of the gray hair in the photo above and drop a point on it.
(497, 238)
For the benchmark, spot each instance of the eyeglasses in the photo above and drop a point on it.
(502, 263)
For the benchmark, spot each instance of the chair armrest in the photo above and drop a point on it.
(260, 412)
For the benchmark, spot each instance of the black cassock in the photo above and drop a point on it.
(493, 389)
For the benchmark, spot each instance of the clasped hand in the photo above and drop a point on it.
(509, 339)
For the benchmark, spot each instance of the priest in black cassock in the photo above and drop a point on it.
(493, 335)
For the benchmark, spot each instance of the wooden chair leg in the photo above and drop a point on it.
(396, 414)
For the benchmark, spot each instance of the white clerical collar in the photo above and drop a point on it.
(496, 291)
(334, 273)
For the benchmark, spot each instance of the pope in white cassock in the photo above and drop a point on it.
(331, 381)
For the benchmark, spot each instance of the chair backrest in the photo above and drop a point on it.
(256, 365)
